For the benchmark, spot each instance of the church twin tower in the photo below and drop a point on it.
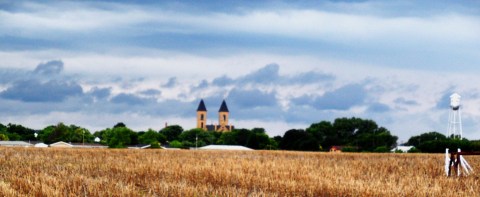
(223, 113)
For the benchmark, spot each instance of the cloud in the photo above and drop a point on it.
(244, 104)
(378, 108)
(256, 95)
(232, 43)
(304, 100)
(349, 31)
(313, 22)
(45, 84)
(76, 17)
(252, 98)
(100, 93)
(172, 82)
(403, 101)
(270, 74)
(342, 98)
(222, 81)
(203, 85)
(151, 92)
(266, 75)
(129, 99)
(444, 101)
(9, 75)
(309, 78)
(49, 68)
(35, 91)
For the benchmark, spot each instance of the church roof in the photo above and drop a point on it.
(224, 107)
(201, 106)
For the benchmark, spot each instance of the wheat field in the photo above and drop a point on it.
(107, 172)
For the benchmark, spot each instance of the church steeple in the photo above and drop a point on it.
(202, 116)
(223, 117)
(223, 107)
(201, 106)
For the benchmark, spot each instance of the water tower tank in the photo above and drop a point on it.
(455, 101)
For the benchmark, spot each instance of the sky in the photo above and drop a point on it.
(278, 64)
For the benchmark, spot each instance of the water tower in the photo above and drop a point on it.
(454, 117)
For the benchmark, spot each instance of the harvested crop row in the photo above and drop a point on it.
(107, 172)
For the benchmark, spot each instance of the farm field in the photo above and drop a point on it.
(107, 172)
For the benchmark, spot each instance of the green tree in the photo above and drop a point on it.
(277, 139)
(383, 138)
(413, 150)
(120, 124)
(298, 139)
(272, 144)
(62, 132)
(425, 137)
(345, 129)
(176, 144)
(4, 133)
(133, 137)
(172, 132)
(100, 135)
(475, 145)
(14, 136)
(255, 138)
(119, 137)
(3, 128)
(434, 142)
(360, 134)
(196, 137)
(243, 137)
(3, 137)
(78, 134)
(149, 137)
(23, 132)
(54, 133)
(228, 138)
(155, 144)
(324, 133)
(216, 137)
(104, 135)
(259, 139)
(382, 149)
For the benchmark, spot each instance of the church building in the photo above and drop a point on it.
(223, 114)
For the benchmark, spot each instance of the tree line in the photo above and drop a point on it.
(434, 142)
(353, 134)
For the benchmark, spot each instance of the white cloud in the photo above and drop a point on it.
(131, 69)
(68, 17)
(383, 86)
(440, 28)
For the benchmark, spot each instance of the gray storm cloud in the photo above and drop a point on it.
(49, 68)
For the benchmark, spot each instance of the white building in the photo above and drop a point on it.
(41, 145)
(15, 144)
(61, 145)
(224, 147)
(402, 148)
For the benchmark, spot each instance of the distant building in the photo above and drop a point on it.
(402, 148)
(61, 145)
(41, 145)
(224, 147)
(336, 149)
(88, 145)
(223, 116)
(15, 144)
(339, 149)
